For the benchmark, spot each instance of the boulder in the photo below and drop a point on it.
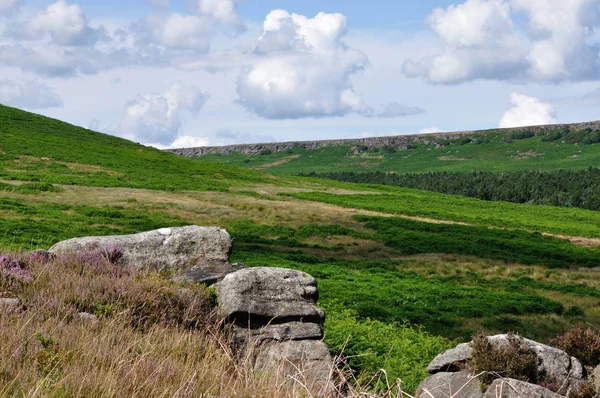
(451, 360)
(307, 361)
(271, 303)
(552, 362)
(511, 388)
(196, 253)
(450, 384)
(274, 317)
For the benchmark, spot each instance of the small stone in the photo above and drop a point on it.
(87, 317)
(10, 304)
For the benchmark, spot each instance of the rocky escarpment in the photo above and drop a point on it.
(401, 142)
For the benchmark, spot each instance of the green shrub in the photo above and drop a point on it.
(515, 359)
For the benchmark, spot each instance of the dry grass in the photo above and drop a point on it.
(152, 338)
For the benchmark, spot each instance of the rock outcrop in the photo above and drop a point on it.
(273, 313)
(195, 253)
(552, 363)
(399, 142)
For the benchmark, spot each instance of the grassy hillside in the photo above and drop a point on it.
(400, 270)
(492, 151)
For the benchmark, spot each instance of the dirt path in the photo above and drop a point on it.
(279, 162)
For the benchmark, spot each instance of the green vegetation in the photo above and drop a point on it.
(493, 151)
(39, 149)
(431, 267)
(559, 188)
(393, 200)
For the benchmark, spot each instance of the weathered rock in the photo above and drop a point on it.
(450, 384)
(10, 304)
(275, 318)
(255, 297)
(452, 360)
(278, 332)
(88, 318)
(196, 253)
(307, 361)
(511, 388)
(552, 362)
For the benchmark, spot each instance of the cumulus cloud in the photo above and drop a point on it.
(62, 23)
(158, 118)
(9, 6)
(483, 41)
(223, 12)
(302, 69)
(528, 111)
(394, 109)
(176, 31)
(28, 94)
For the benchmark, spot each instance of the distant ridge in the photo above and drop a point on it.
(397, 141)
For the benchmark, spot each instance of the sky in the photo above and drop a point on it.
(183, 73)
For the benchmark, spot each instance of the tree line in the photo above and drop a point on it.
(567, 188)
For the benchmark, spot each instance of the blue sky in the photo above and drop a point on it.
(212, 72)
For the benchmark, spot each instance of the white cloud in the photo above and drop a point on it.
(394, 109)
(528, 111)
(483, 41)
(178, 31)
(28, 94)
(185, 141)
(158, 118)
(430, 130)
(63, 23)
(9, 6)
(303, 69)
(222, 11)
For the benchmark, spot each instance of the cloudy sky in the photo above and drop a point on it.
(211, 72)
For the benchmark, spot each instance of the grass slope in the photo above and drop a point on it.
(36, 148)
(496, 155)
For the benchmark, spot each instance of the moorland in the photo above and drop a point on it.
(403, 273)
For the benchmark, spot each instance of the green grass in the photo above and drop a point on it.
(394, 200)
(32, 226)
(40, 149)
(495, 155)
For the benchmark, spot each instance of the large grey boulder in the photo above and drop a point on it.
(196, 253)
(511, 388)
(271, 304)
(450, 384)
(274, 317)
(552, 362)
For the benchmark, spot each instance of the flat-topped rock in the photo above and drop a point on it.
(195, 253)
(452, 360)
(262, 296)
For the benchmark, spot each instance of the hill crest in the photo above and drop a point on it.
(397, 141)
